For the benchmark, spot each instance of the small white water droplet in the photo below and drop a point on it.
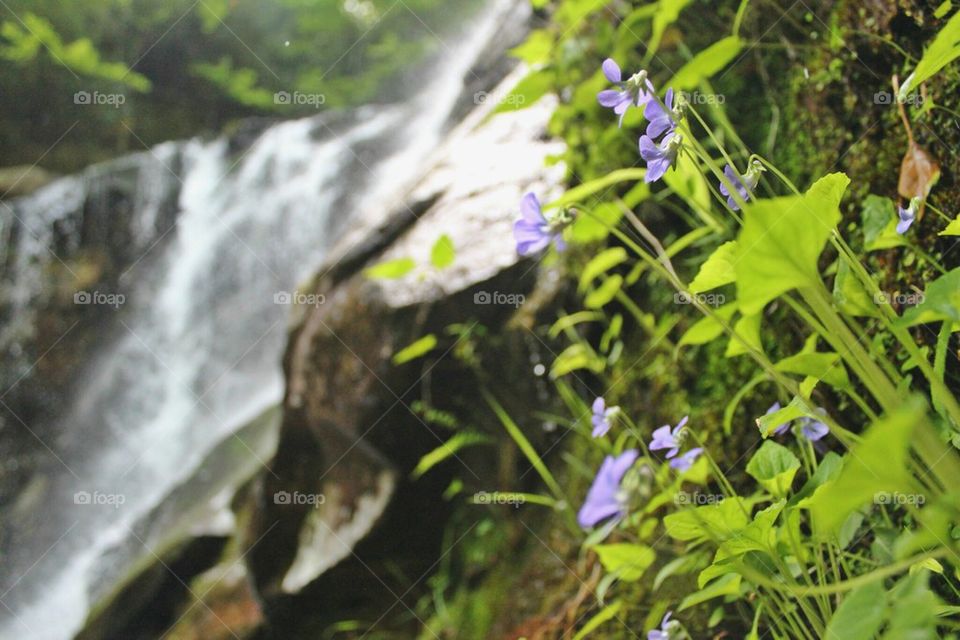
(539, 370)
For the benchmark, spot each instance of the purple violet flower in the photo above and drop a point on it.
(744, 186)
(636, 90)
(660, 157)
(686, 461)
(780, 428)
(660, 117)
(665, 438)
(663, 633)
(602, 416)
(605, 500)
(907, 216)
(532, 231)
(813, 430)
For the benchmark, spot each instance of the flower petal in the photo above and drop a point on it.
(599, 405)
(530, 237)
(609, 98)
(649, 149)
(611, 70)
(530, 209)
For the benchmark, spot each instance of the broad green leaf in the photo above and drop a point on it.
(827, 367)
(849, 530)
(850, 296)
(447, 450)
(708, 328)
(781, 241)
(774, 467)
(421, 347)
(442, 254)
(628, 561)
(827, 470)
(748, 330)
(681, 565)
(727, 585)
(710, 522)
(391, 269)
(718, 270)
(913, 615)
(797, 408)
(536, 49)
(667, 13)
(581, 192)
(596, 225)
(879, 221)
(612, 332)
(944, 49)
(706, 63)
(953, 229)
(606, 614)
(938, 521)
(860, 615)
(687, 181)
(575, 357)
(878, 463)
(941, 302)
(600, 264)
(574, 12)
(604, 293)
(527, 91)
(930, 564)
(629, 31)
(571, 320)
(760, 535)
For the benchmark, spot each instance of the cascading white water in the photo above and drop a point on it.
(197, 352)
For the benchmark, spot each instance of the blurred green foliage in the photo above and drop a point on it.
(162, 70)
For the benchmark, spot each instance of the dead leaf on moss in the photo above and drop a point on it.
(919, 171)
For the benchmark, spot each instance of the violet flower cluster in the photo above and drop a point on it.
(662, 118)
(672, 439)
(810, 428)
(602, 417)
(905, 217)
(606, 499)
(533, 232)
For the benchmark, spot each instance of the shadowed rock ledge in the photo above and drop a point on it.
(348, 431)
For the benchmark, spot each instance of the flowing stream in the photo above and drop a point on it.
(195, 354)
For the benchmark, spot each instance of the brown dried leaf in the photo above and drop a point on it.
(919, 171)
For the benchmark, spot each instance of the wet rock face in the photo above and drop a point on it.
(77, 236)
(339, 500)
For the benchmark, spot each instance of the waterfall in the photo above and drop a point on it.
(195, 352)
